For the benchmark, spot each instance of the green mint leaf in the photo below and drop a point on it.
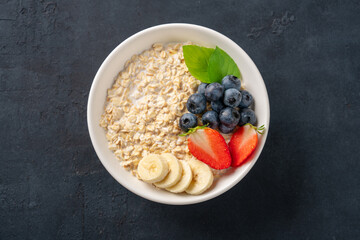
(220, 65)
(197, 60)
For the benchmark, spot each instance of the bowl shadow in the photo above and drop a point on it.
(267, 197)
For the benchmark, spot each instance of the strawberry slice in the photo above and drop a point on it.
(209, 146)
(243, 143)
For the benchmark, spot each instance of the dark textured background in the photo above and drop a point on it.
(305, 184)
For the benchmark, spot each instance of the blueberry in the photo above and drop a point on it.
(247, 116)
(211, 118)
(217, 106)
(214, 91)
(231, 81)
(246, 99)
(229, 117)
(232, 97)
(188, 120)
(201, 88)
(196, 103)
(225, 129)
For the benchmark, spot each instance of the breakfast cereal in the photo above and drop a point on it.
(145, 103)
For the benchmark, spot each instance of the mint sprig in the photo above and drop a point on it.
(220, 65)
(209, 65)
(197, 61)
(192, 130)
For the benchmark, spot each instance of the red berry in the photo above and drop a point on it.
(242, 144)
(209, 146)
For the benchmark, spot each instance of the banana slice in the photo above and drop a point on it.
(202, 177)
(186, 177)
(175, 170)
(152, 168)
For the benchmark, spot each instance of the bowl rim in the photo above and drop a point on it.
(91, 99)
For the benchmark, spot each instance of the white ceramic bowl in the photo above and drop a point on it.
(141, 41)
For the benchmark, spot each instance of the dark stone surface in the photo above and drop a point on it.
(305, 184)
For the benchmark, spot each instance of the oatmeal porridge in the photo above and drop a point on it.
(145, 103)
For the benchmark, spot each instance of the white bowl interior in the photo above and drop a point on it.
(141, 41)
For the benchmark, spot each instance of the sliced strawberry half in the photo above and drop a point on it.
(242, 144)
(209, 146)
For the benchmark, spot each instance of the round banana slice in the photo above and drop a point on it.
(175, 170)
(152, 168)
(186, 177)
(202, 177)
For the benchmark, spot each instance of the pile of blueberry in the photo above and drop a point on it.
(229, 104)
